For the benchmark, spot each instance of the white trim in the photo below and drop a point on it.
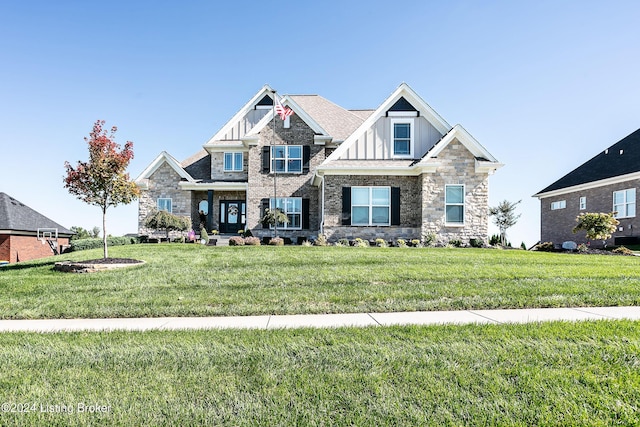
(170, 210)
(582, 203)
(233, 162)
(558, 204)
(589, 185)
(286, 159)
(402, 114)
(286, 226)
(463, 204)
(413, 98)
(266, 90)
(218, 185)
(157, 162)
(625, 203)
(370, 206)
(392, 138)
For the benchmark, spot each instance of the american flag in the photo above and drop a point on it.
(282, 111)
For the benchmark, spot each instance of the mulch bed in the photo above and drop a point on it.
(110, 261)
(95, 265)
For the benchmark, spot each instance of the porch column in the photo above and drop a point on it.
(210, 213)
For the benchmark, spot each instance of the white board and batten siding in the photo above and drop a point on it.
(244, 125)
(377, 142)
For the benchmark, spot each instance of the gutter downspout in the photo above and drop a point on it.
(322, 208)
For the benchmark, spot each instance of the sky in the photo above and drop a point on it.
(543, 85)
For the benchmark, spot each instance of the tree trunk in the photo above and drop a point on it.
(104, 233)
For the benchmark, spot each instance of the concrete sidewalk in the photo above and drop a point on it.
(324, 320)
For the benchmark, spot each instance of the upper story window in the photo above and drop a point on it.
(560, 204)
(292, 208)
(624, 203)
(370, 205)
(164, 204)
(454, 204)
(402, 137)
(233, 162)
(286, 158)
(583, 203)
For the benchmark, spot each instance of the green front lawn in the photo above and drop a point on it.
(192, 280)
(584, 373)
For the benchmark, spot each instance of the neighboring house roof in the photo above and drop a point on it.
(16, 216)
(620, 159)
(335, 120)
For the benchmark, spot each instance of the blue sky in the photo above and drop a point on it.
(543, 85)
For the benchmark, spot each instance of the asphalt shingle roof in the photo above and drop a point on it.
(17, 216)
(338, 122)
(621, 158)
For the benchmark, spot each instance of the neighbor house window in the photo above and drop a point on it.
(624, 203)
(292, 207)
(233, 162)
(370, 205)
(402, 137)
(164, 204)
(560, 204)
(286, 158)
(454, 204)
(583, 203)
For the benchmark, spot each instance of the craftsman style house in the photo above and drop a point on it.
(399, 171)
(26, 234)
(606, 183)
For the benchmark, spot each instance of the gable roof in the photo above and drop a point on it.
(412, 99)
(162, 158)
(16, 216)
(459, 133)
(622, 158)
(258, 98)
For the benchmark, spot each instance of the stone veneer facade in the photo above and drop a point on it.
(557, 225)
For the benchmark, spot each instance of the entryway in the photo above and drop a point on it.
(232, 216)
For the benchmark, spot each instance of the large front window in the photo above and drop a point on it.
(624, 203)
(370, 205)
(292, 208)
(454, 204)
(233, 162)
(286, 158)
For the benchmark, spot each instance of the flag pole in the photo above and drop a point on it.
(275, 169)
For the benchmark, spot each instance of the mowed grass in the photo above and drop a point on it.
(192, 280)
(584, 373)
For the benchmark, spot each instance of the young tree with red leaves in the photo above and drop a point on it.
(103, 180)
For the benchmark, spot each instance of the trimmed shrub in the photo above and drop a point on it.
(307, 244)
(381, 243)
(236, 241)
(321, 241)
(544, 247)
(416, 243)
(360, 243)
(456, 243)
(401, 243)
(344, 242)
(476, 243)
(276, 241)
(621, 250)
(252, 241)
(85, 244)
(428, 240)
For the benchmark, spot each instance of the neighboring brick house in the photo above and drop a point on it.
(399, 171)
(606, 183)
(20, 229)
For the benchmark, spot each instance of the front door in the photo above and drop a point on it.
(232, 216)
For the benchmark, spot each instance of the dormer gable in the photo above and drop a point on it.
(244, 120)
(164, 157)
(404, 126)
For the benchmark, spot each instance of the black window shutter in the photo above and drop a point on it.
(266, 159)
(395, 205)
(265, 206)
(346, 205)
(306, 156)
(305, 214)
